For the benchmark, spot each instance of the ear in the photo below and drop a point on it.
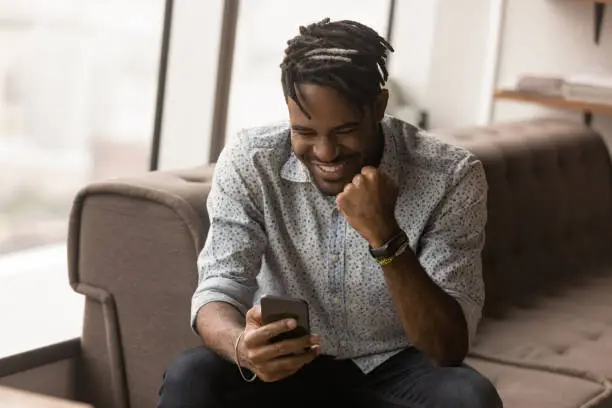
(380, 105)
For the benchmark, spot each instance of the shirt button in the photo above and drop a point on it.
(334, 258)
(336, 301)
(343, 343)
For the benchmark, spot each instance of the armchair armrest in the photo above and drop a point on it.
(132, 251)
(32, 359)
(47, 370)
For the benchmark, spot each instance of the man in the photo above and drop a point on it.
(299, 210)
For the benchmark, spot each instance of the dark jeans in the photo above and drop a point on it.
(199, 378)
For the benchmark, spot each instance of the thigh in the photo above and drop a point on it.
(199, 378)
(410, 379)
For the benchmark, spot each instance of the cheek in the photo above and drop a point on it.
(300, 148)
(354, 143)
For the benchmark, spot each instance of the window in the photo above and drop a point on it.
(78, 81)
(264, 26)
(191, 81)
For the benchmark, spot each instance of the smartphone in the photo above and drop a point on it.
(274, 308)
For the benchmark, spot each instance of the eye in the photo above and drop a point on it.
(303, 132)
(346, 131)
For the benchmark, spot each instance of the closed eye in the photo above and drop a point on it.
(304, 132)
(345, 131)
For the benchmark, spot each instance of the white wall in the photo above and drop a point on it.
(553, 36)
(413, 41)
(441, 56)
(446, 54)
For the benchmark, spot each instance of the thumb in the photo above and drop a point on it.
(253, 317)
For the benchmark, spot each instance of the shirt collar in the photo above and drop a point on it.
(294, 170)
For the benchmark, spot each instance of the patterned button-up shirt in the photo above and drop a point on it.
(273, 232)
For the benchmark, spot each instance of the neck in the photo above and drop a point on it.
(380, 146)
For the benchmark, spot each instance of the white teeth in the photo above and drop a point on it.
(330, 169)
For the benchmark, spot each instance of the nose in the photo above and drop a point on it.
(326, 149)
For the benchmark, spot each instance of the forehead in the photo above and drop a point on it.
(324, 105)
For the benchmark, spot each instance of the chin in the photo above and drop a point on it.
(330, 189)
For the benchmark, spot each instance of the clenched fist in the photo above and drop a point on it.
(368, 205)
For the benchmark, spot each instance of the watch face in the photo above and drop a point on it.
(380, 252)
(390, 248)
(377, 252)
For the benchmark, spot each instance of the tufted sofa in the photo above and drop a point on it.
(545, 341)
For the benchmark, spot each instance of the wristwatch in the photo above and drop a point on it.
(390, 249)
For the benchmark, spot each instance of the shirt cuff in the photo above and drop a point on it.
(220, 290)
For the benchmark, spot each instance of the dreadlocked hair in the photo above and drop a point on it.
(344, 55)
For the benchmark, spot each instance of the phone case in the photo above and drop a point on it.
(274, 308)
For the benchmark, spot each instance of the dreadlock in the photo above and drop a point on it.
(345, 55)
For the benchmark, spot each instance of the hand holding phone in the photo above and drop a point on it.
(275, 308)
(269, 351)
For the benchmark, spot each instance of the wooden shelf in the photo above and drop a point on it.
(587, 108)
(555, 102)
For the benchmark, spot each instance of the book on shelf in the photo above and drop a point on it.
(589, 87)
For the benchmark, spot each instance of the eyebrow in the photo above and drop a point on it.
(343, 126)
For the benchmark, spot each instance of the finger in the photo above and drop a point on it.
(289, 363)
(348, 188)
(340, 199)
(261, 336)
(343, 201)
(284, 348)
(357, 180)
(369, 172)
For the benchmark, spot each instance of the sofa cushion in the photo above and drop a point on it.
(522, 387)
(569, 328)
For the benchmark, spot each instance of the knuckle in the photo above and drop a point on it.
(267, 332)
(369, 172)
(251, 355)
(279, 348)
(276, 329)
(286, 365)
(304, 342)
(270, 330)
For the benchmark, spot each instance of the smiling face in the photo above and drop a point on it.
(338, 140)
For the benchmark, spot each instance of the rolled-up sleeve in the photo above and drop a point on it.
(231, 258)
(451, 247)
